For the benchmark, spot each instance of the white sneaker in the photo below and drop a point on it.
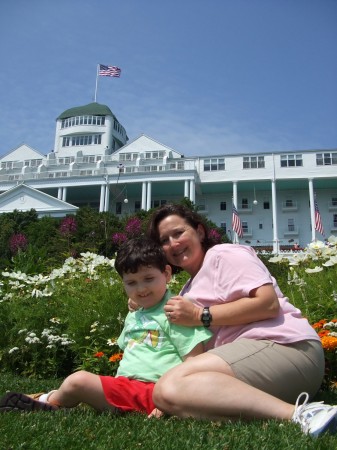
(315, 418)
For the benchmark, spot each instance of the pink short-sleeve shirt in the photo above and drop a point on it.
(230, 272)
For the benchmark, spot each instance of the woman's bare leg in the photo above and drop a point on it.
(81, 387)
(205, 387)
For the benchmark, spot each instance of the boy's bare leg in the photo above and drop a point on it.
(81, 387)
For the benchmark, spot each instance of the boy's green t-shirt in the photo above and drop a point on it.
(152, 345)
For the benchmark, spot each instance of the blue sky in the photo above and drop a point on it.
(203, 77)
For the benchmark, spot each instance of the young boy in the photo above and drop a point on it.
(151, 343)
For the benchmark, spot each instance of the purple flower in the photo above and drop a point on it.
(214, 236)
(133, 226)
(68, 226)
(119, 238)
(18, 242)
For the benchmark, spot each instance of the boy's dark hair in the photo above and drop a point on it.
(140, 251)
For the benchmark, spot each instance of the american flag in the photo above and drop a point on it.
(318, 219)
(236, 222)
(109, 71)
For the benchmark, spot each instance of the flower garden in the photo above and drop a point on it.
(68, 318)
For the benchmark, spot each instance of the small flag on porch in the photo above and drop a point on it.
(236, 222)
(318, 219)
(109, 71)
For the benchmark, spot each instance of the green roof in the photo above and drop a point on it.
(92, 109)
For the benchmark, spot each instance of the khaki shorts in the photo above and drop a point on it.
(283, 371)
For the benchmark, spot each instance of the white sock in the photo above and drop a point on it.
(44, 397)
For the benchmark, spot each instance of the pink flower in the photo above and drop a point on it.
(133, 226)
(68, 226)
(214, 236)
(18, 242)
(118, 238)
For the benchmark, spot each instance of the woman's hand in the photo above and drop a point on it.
(181, 311)
(133, 306)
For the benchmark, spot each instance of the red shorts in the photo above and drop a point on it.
(128, 395)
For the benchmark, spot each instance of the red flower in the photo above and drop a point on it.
(98, 355)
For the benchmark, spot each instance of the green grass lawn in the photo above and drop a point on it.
(83, 428)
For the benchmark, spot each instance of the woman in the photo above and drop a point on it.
(263, 354)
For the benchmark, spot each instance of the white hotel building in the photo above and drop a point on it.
(94, 164)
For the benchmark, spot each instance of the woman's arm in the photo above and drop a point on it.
(262, 304)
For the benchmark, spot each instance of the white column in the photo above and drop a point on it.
(148, 200)
(186, 189)
(312, 208)
(64, 194)
(144, 195)
(106, 198)
(276, 243)
(102, 198)
(235, 193)
(192, 191)
(59, 193)
(235, 236)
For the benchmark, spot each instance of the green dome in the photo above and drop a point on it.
(92, 109)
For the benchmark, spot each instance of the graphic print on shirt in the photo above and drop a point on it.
(148, 333)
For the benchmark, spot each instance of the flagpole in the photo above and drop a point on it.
(96, 82)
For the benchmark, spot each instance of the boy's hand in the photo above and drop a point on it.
(156, 413)
(133, 306)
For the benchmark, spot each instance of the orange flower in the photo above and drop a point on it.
(323, 333)
(116, 357)
(329, 343)
(319, 324)
(98, 355)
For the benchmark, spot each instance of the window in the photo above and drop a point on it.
(214, 164)
(291, 225)
(81, 140)
(266, 204)
(334, 201)
(244, 203)
(326, 159)
(7, 165)
(118, 207)
(176, 166)
(289, 204)
(223, 226)
(89, 159)
(223, 206)
(61, 174)
(291, 161)
(137, 205)
(245, 227)
(335, 220)
(82, 120)
(127, 156)
(66, 141)
(260, 226)
(253, 162)
(154, 155)
(33, 162)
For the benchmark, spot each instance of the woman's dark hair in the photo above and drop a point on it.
(137, 252)
(191, 217)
